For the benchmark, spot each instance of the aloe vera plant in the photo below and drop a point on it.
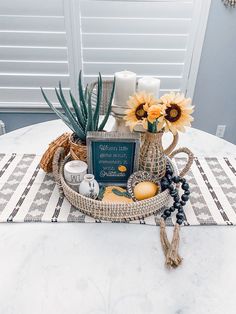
(81, 116)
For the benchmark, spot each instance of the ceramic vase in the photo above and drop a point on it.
(152, 157)
(89, 187)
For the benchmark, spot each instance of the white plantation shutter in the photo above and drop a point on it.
(33, 52)
(150, 38)
(44, 42)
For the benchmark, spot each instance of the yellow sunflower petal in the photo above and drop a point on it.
(139, 104)
(182, 106)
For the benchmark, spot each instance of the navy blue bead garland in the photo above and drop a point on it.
(167, 183)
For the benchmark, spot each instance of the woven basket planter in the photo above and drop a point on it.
(118, 212)
(78, 150)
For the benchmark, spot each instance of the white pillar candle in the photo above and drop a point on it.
(125, 87)
(149, 85)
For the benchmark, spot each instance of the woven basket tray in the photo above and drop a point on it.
(118, 212)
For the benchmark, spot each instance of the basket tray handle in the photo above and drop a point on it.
(56, 166)
(189, 161)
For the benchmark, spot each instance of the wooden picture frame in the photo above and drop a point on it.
(112, 156)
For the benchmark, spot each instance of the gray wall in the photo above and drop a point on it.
(215, 93)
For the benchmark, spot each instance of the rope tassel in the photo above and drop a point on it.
(172, 258)
(163, 237)
(170, 250)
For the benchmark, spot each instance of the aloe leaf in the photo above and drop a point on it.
(82, 106)
(77, 110)
(66, 108)
(57, 112)
(98, 103)
(65, 101)
(81, 96)
(104, 121)
(77, 129)
(86, 92)
(71, 118)
(90, 122)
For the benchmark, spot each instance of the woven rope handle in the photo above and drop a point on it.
(47, 158)
(189, 161)
(172, 146)
(56, 166)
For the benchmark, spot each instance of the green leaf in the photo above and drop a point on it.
(81, 96)
(86, 93)
(57, 112)
(98, 102)
(101, 193)
(78, 112)
(90, 124)
(108, 108)
(64, 100)
(71, 118)
(62, 95)
(120, 193)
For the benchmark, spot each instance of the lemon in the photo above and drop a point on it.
(122, 168)
(144, 190)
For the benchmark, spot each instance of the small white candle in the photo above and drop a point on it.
(149, 85)
(125, 87)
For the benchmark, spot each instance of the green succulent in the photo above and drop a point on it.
(82, 116)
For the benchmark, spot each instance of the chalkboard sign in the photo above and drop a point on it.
(112, 156)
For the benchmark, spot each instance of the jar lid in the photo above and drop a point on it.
(76, 166)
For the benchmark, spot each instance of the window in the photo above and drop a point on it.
(42, 43)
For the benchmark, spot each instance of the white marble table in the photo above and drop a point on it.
(113, 268)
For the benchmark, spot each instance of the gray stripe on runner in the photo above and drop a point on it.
(230, 165)
(75, 215)
(24, 194)
(14, 180)
(212, 192)
(7, 164)
(198, 203)
(223, 180)
(58, 208)
(39, 204)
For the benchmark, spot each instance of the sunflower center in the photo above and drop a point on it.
(173, 113)
(140, 113)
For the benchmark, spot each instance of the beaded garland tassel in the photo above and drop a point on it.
(170, 182)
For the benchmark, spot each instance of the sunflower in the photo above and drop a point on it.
(139, 104)
(177, 113)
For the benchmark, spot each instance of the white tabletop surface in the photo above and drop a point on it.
(113, 268)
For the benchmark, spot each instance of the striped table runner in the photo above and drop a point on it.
(27, 194)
